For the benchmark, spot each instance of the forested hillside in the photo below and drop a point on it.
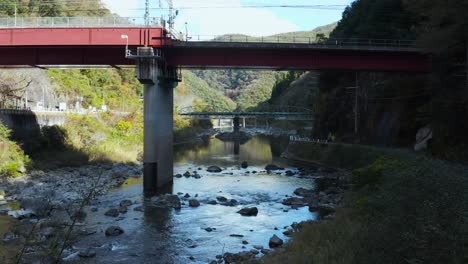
(249, 88)
(53, 8)
(392, 107)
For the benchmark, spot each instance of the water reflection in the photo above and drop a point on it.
(260, 150)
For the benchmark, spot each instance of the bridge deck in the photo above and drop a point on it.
(98, 47)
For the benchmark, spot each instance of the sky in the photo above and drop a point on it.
(206, 21)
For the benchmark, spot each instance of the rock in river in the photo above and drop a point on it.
(126, 203)
(166, 201)
(194, 203)
(295, 202)
(304, 192)
(221, 199)
(112, 212)
(275, 241)
(214, 169)
(244, 165)
(87, 253)
(248, 211)
(272, 167)
(114, 231)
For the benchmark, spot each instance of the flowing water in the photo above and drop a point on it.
(179, 236)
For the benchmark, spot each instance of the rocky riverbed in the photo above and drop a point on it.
(54, 203)
(224, 207)
(49, 204)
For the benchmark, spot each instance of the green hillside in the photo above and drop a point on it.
(248, 88)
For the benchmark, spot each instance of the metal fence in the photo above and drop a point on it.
(70, 22)
(292, 38)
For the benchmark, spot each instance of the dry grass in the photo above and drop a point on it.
(404, 210)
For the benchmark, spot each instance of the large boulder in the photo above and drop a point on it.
(304, 192)
(222, 199)
(423, 138)
(214, 169)
(322, 209)
(87, 253)
(275, 241)
(248, 211)
(244, 165)
(167, 201)
(114, 212)
(114, 231)
(126, 203)
(296, 202)
(194, 203)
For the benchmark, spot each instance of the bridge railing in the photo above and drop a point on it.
(287, 39)
(207, 110)
(73, 22)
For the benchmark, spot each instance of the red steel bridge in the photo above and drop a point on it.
(70, 42)
(157, 54)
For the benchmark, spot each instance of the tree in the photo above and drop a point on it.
(12, 89)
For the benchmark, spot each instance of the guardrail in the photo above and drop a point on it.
(73, 22)
(204, 109)
(291, 39)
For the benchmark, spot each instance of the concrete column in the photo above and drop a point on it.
(236, 124)
(158, 125)
(243, 122)
(236, 147)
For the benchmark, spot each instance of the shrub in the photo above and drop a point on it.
(12, 158)
(372, 174)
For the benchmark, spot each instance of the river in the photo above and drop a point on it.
(157, 235)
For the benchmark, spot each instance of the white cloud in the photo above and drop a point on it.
(213, 21)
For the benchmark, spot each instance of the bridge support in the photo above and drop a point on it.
(158, 121)
(236, 124)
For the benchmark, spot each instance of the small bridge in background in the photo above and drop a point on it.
(286, 113)
(275, 112)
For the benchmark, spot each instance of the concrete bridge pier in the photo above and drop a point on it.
(236, 124)
(158, 123)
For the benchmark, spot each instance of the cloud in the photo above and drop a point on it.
(213, 21)
(219, 21)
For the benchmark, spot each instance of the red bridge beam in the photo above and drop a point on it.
(82, 37)
(64, 56)
(305, 59)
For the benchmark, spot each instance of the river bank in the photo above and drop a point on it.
(402, 208)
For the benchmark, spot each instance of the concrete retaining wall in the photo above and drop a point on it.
(24, 123)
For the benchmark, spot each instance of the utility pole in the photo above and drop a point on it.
(356, 114)
(147, 13)
(466, 65)
(356, 104)
(16, 11)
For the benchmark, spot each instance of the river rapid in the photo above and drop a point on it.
(199, 234)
